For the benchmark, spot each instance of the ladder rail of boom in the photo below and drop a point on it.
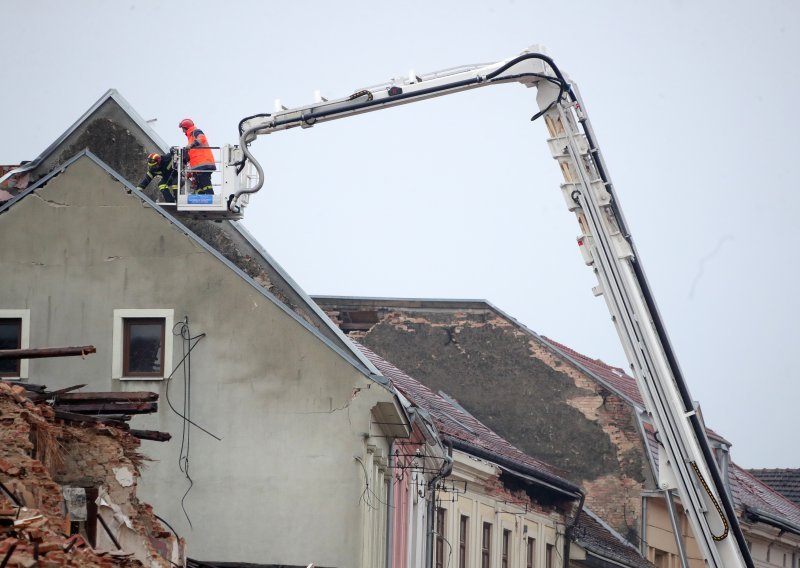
(609, 250)
(647, 346)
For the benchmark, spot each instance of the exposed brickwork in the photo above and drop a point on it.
(517, 500)
(524, 391)
(38, 456)
(115, 145)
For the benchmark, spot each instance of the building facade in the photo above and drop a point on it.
(271, 410)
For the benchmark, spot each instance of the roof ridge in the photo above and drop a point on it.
(350, 357)
(109, 94)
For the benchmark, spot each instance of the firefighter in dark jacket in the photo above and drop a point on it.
(201, 159)
(161, 165)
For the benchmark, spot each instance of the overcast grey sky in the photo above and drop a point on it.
(694, 105)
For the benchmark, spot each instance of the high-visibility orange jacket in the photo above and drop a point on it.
(199, 153)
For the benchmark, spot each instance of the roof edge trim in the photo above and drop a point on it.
(109, 94)
(355, 363)
(771, 519)
(306, 298)
(545, 479)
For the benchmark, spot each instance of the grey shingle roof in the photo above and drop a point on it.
(784, 481)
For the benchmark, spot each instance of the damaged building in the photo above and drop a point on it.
(495, 504)
(579, 414)
(268, 404)
(272, 409)
(68, 491)
(289, 441)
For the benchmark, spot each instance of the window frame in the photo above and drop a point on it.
(119, 348)
(441, 516)
(24, 315)
(127, 323)
(505, 549)
(530, 553)
(486, 545)
(463, 541)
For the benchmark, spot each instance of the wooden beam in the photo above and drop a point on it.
(44, 395)
(133, 396)
(153, 435)
(74, 417)
(109, 408)
(30, 387)
(47, 352)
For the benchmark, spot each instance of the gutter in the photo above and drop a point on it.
(756, 514)
(527, 472)
(571, 528)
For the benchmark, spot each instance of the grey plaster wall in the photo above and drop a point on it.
(282, 485)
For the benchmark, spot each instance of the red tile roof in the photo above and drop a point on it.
(750, 491)
(615, 377)
(453, 421)
(597, 537)
(746, 488)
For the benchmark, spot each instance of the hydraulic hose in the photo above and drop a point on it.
(260, 171)
(311, 117)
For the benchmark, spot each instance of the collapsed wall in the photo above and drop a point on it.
(68, 493)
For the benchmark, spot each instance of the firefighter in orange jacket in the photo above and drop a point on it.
(201, 159)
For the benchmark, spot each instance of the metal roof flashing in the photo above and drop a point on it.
(111, 94)
(370, 372)
(310, 303)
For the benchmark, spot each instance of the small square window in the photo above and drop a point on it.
(10, 338)
(143, 343)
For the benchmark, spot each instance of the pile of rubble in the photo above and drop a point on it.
(68, 490)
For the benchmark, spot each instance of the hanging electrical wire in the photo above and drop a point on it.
(188, 343)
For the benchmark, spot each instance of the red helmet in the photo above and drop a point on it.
(153, 159)
(186, 124)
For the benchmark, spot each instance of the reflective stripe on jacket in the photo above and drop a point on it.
(199, 153)
(163, 168)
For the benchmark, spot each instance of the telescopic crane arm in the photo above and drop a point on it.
(686, 463)
(529, 68)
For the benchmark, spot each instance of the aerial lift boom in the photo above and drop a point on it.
(686, 463)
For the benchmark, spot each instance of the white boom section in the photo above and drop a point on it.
(686, 463)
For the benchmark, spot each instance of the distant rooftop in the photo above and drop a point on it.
(784, 481)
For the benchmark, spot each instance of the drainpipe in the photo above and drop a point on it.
(571, 528)
(447, 468)
(390, 509)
